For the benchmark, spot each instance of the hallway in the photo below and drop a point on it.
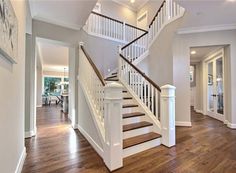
(209, 146)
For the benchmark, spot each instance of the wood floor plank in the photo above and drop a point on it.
(207, 146)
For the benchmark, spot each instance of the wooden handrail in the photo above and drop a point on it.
(133, 41)
(157, 12)
(107, 17)
(140, 72)
(99, 75)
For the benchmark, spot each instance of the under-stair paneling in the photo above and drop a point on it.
(86, 124)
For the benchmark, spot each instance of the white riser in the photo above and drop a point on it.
(129, 101)
(133, 120)
(136, 132)
(130, 110)
(126, 95)
(141, 147)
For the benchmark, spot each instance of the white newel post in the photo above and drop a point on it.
(168, 115)
(113, 149)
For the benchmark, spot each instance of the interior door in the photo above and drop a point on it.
(215, 88)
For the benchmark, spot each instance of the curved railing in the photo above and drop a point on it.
(167, 12)
(107, 27)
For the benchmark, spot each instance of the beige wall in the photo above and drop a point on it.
(118, 11)
(181, 69)
(39, 86)
(55, 73)
(151, 7)
(12, 100)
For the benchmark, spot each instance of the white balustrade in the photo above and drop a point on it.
(168, 11)
(104, 26)
(145, 90)
(92, 84)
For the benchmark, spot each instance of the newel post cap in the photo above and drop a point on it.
(168, 86)
(81, 43)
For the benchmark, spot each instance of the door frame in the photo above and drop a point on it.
(218, 54)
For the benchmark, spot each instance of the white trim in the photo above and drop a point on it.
(30, 134)
(96, 147)
(57, 22)
(39, 106)
(105, 37)
(75, 126)
(199, 111)
(232, 126)
(21, 161)
(125, 5)
(206, 29)
(183, 123)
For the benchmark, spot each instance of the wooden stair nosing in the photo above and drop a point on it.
(133, 114)
(127, 98)
(129, 106)
(140, 139)
(134, 126)
(115, 73)
(111, 79)
(124, 91)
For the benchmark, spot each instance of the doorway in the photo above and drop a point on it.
(215, 86)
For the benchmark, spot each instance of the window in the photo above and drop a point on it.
(51, 84)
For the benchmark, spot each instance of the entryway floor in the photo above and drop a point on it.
(207, 146)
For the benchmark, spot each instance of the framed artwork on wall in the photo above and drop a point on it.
(8, 31)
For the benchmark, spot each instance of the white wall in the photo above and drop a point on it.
(12, 100)
(151, 7)
(103, 52)
(181, 49)
(117, 11)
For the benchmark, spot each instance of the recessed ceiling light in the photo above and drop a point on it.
(231, 0)
(132, 1)
(193, 52)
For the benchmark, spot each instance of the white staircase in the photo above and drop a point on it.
(131, 112)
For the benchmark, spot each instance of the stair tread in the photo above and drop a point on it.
(127, 98)
(134, 126)
(130, 105)
(133, 114)
(111, 76)
(124, 91)
(111, 79)
(140, 139)
(114, 73)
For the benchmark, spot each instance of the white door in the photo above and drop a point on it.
(215, 88)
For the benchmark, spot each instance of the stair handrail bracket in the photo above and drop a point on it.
(105, 103)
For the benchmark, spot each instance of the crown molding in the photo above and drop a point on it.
(125, 5)
(210, 28)
(57, 22)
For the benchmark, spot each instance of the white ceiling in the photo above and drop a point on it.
(134, 6)
(202, 52)
(208, 13)
(68, 13)
(54, 57)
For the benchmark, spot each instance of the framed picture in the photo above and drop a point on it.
(8, 31)
(210, 79)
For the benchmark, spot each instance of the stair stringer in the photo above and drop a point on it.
(99, 128)
(149, 116)
(146, 53)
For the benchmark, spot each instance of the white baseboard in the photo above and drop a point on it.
(21, 161)
(183, 123)
(30, 134)
(232, 126)
(199, 111)
(75, 126)
(39, 106)
(96, 147)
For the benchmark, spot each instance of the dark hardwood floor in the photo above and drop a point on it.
(208, 146)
